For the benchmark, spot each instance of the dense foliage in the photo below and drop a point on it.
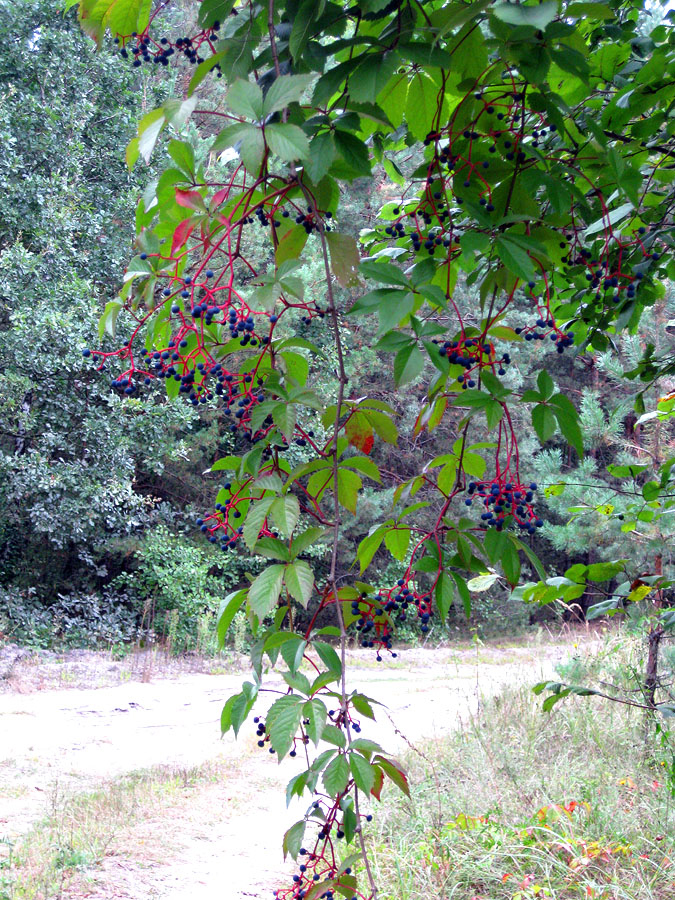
(499, 177)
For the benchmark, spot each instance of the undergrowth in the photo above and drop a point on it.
(525, 805)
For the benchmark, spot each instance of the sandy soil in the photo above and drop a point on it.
(224, 841)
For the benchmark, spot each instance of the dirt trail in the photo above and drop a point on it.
(225, 842)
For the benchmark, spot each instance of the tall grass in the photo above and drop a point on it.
(523, 805)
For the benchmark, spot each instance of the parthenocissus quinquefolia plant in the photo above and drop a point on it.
(529, 149)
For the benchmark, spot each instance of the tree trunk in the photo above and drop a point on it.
(654, 644)
(20, 441)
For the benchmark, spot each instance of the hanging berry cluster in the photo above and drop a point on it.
(147, 48)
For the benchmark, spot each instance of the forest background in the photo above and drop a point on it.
(99, 494)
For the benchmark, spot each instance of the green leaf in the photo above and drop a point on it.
(544, 422)
(226, 463)
(651, 491)
(537, 16)
(252, 149)
(510, 561)
(291, 245)
(494, 543)
(177, 112)
(246, 99)
(255, 519)
(369, 547)
(288, 142)
(353, 151)
(568, 421)
(285, 90)
(299, 580)
(545, 385)
(125, 16)
(237, 708)
(444, 595)
(203, 69)
(481, 582)
(349, 484)
(108, 321)
(328, 656)
(322, 153)
(149, 129)
(264, 592)
(302, 541)
(383, 425)
(132, 153)
(284, 417)
(514, 257)
(336, 776)
(211, 11)
(315, 711)
(605, 608)
(606, 570)
(362, 705)
(285, 512)
(283, 721)
(302, 27)
(384, 272)
(293, 652)
(333, 735)
(371, 76)
(363, 464)
(408, 364)
(397, 541)
(363, 772)
(228, 610)
(421, 104)
(229, 136)
(293, 839)
(614, 216)
(344, 258)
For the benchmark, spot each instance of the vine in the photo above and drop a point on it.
(529, 181)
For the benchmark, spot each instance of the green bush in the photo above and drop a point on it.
(180, 586)
(76, 619)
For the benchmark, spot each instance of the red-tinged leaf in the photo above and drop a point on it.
(181, 234)
(190, 199)
(359, 432)
(376, 789)
(219, 196)
(422, 419)
(393, 771)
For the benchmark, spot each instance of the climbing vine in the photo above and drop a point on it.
(531, 146)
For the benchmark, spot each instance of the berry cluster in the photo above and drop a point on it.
(321, 864)
(223, 525)
(473, 354)
(208, 317)
(377, 614)
(506, 502)
(140, 48)
(464, 193)
(544, 328)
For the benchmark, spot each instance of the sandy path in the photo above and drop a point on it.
(225, 843)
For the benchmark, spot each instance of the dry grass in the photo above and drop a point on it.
(60, 855)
